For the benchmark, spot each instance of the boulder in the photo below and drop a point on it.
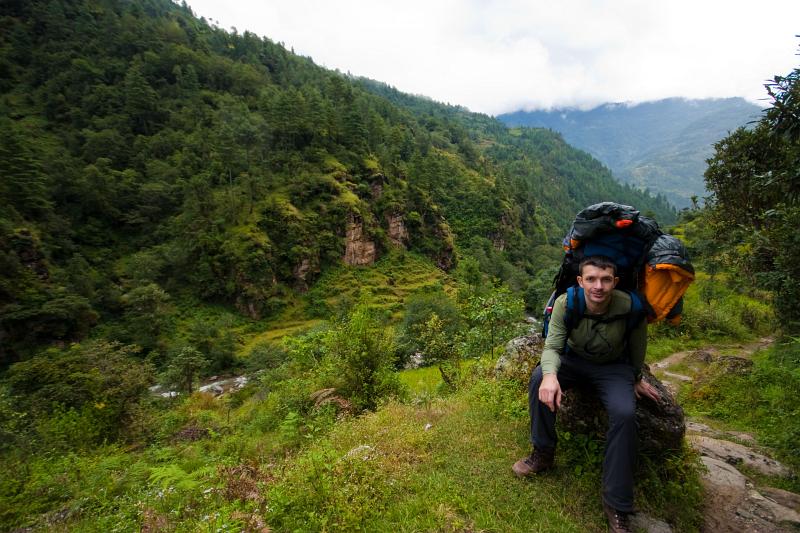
(703, 356)
(520, 358)
(661, 425)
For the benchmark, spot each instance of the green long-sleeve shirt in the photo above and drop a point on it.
(594, 340)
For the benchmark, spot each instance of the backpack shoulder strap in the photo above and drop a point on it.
(636, 314)
(576, 308)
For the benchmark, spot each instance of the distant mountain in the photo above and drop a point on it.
(661, 145)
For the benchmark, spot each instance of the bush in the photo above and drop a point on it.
(97, 384)
(713, 306)
(359, 357)
(419, 308)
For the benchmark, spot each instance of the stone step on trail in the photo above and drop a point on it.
(737, 454)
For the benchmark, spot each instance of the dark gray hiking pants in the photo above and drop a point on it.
(614, 385)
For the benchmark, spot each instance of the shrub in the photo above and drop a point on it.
(97, 383)
(358, 361)
(419, 307)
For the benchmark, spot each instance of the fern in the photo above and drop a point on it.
(176, 477)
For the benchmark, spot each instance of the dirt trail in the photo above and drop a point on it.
(734, 502)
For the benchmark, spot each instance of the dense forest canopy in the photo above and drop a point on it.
(147, 155)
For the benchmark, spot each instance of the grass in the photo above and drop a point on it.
(437, 465)
(385, 284)
(445, 466)
(438, 462)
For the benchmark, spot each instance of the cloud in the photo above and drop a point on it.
(495, 56)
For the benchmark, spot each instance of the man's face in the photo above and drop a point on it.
(597, 284)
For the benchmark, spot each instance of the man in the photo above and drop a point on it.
(598, 351)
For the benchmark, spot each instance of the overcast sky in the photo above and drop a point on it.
(495, 56)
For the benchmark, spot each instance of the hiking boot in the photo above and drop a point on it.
(538, 461)
(618, 522)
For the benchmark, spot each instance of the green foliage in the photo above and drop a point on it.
(359, 359)
(418, 310)
(82, 395)
(147, 308)
(265, 356)
(442, 349)
(184, 368)
(755, 195)
(223, 166)
(493, 317)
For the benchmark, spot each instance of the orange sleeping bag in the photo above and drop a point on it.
(664, 285)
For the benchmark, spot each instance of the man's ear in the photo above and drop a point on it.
(580, 281)
(616, 280)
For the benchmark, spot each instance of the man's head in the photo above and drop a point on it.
(598, 277)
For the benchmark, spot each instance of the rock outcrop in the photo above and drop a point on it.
(733, 505)
(359, 248)
(737, 454)
(398, 234)
(446, 257)
(520, 358)
(301, 272)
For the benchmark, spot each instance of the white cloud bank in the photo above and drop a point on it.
(495, 56)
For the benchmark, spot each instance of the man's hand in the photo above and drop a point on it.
(643, 388)
(550, 392)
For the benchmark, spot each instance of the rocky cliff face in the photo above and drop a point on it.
(446, 258)
(359, 248)
(398, 234)
(302, 270)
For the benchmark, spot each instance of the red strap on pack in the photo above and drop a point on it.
(624, 223)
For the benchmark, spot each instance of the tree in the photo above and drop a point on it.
(147, 308)
(755, 200)
(493, 317)
(442, 349)
(141, 101)
(359, 353)
(103, 380)
(419, 308)
(184, 368)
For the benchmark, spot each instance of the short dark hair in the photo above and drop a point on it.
(599, 261)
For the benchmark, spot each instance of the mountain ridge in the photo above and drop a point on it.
(660, 145)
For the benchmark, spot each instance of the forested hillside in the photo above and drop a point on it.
(151, 161)
(661, 146)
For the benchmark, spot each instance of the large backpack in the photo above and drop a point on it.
(653, 267)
